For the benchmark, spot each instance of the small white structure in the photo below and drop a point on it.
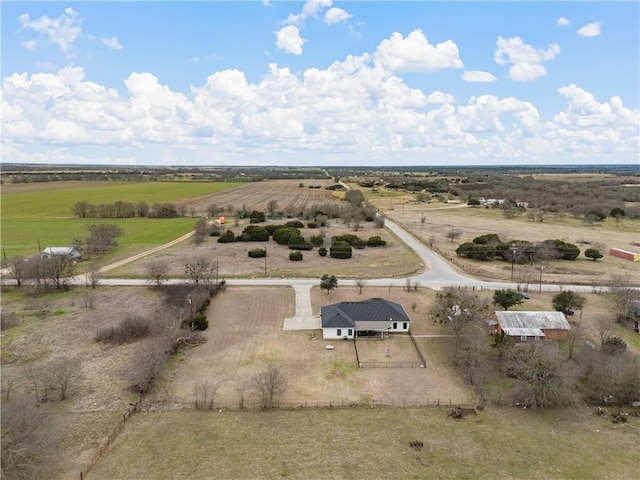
(366, 318)
(71, 253)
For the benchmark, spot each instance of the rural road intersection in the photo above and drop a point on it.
(438, 274)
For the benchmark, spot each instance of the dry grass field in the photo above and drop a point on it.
(472, 222)
(372, 444)
(393, 260)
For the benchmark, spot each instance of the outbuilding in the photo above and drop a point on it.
(71, 253)
(530, 326)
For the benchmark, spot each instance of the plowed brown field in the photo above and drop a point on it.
(257, 195)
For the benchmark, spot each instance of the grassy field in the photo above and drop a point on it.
(365, 443)
(34, 218)
(440, 219)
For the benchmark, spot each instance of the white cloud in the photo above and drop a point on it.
(288, 39)
(414, 53)
(439, 97)
(526, 61)
(62, 31)
(29, 44)
(112, 43)
(351, 110)
(336, 15)
(313, 7)
(477, 76)
(590, 30)
(563, 22)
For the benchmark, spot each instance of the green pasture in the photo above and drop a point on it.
(27, 236)
(59, 203)
(34, 220)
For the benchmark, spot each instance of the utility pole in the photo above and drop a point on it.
(514, 249)
(265, 260)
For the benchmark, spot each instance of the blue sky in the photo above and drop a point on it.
(320, 83)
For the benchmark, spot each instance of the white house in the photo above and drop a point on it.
(365, 318)
(71, 253)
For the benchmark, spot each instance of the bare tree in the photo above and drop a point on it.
(604, 326)
(457, 310)
(19, 269)
(55, 377)
(58, 270)
(92, 275)
(623, 296)
(24, 449)
(423, 219)
(541, 380)
(453, 234)
(157, 269)
(205, 393)
(199, 270)
(360, 283)
(102, 237)
(200, 231)
(148, 365)
(407, 284)
(63, 372)
(213, 209)
(270, 384)
(272, 206)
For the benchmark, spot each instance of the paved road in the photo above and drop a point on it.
(438, 272)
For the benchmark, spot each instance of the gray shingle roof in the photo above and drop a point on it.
(346, 314)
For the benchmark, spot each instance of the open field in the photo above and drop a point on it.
(392, 260)
(366, 443)
(473, 222)
(47, 199)
(40, 214)
(289, 194)
(24, 236)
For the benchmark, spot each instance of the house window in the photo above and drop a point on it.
(350, 332)
(339, 332)
(404, 326)
(395, 325)
(523, 338)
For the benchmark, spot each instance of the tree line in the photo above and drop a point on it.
(120, 209)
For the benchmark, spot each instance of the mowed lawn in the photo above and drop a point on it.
(372, 443)
(35, 218)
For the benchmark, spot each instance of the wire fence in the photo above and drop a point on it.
(391, 365)
(311, 404)
(110, 439)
